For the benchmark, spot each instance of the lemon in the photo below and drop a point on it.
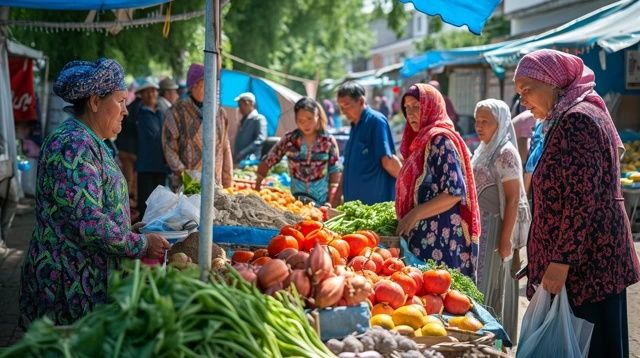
(432, 319)
(404, 330)
(433, 330)
(383, 320)
(408, 315)
(468, 323)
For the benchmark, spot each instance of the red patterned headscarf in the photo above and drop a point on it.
(415, 150)
(575, 81)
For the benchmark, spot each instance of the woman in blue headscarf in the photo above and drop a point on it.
(83, 226)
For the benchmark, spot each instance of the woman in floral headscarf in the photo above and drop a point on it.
(580, 236)
(83, 227)
(504, 210)
(435, 192)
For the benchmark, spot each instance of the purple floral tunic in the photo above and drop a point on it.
(82, 229)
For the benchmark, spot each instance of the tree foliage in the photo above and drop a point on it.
(307, 38)
(140, 50)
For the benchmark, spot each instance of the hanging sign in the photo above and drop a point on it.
(22, 89)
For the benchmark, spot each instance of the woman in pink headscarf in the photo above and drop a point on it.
(580, 236)
(435, 193)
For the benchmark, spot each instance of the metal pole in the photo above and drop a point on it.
(209, 110)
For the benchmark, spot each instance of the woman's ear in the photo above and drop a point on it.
(93, 103)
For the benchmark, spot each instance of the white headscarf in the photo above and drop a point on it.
(505, 133)
(484, 156)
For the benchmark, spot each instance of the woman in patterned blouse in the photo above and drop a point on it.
(435, 192)
(83, 227)
(580, 236)
(504, 210)
(311, 152)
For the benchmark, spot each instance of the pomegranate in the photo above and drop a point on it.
(360, 263)
(457, 303)
(392, 265)
(405, 281)
(390, 292)
(436, 281)
(432, 303)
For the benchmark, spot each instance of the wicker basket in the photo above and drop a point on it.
(459, 342)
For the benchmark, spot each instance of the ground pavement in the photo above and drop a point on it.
(20, 233)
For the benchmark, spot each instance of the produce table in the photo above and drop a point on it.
(490, 323)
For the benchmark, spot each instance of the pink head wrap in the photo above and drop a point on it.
(569, 74)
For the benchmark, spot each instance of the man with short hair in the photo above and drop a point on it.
(252, 131)
(370, 163)
(168, 94)
(150, 164)
(182, 134)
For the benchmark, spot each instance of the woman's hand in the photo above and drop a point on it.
(137, 226)
(555, 277)
(407, 223)
(157, 245)
(504, 248)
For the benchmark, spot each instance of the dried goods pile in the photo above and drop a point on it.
(249, 210)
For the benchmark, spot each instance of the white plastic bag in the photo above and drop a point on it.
(553, 331)
(161, 201)
(183, 217)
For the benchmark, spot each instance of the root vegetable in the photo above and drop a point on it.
(273, 272)
(329, 292)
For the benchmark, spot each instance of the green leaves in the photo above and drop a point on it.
(380, 218)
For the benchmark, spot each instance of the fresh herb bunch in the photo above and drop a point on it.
(380, 218)
(190, 186)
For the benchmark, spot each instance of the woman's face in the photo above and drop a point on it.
(536, 96)
(486, 124)
(307, 121)
(412, 109)
(110, 110)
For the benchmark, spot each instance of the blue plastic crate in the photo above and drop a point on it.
(339, 322)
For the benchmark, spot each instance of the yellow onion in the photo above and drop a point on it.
(356, 290)
(286, 253)
(299, 279)
(319, 264)
(298, 260)
(330, 291)
(273, 272)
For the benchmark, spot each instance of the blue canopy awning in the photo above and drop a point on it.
(81, 4)
(473, 13)
(612, 27)
(438, 58)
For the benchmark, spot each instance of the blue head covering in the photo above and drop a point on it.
(83, 79)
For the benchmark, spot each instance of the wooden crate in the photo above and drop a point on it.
(390, 241)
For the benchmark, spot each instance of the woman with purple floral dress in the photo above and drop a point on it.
(82, 207)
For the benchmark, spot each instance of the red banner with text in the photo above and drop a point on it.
(22, 89)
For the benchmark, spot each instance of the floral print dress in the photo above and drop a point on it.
(442, 237)
(310, 167)
(82, 227)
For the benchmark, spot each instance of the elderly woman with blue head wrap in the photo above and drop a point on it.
(82, 205)
(504, 210)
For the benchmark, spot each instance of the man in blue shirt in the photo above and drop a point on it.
(370, 163)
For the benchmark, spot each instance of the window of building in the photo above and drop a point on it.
(419, 24)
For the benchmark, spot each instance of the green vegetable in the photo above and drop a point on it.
(158, 313)
(380, 218)
(189, 185)
(459, 281)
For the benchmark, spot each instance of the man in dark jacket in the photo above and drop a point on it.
(252, 131)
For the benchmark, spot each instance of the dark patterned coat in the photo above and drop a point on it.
(578, 211)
